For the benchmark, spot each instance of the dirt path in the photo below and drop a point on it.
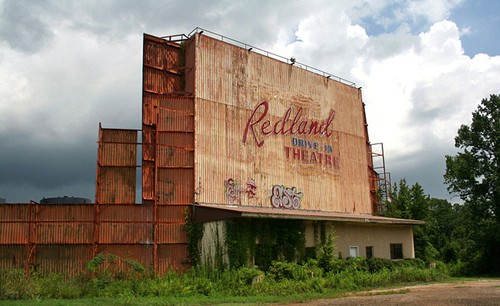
(482, 292)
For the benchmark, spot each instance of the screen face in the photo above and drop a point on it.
(274, 135)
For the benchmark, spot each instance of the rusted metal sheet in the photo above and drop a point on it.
(172, 213)
(14, 233)
(154, 81)
(245, 140)
(171, 233)
(118, 147)
(175, 186)
(172, 157)
(173, 257)
(125, 233)
(141, 253)
(64, 233)
(175, 121)
(181, 104)
(180, 140)
(126, 213)
(116, 185)
(116, 166)
(160, 53)
(14, 212)
(12, 257)
(64, 259)
(66, 212)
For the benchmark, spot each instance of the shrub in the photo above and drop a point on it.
(378, 264)
(286, 270)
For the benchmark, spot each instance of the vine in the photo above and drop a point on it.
(195, 233)
(260, 241)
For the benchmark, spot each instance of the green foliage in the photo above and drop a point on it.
(282, 279)
(474, 174)
(326, 252)
(195, 233)
(265, 241)
(109, 260)
(280, 270)
(412, 203)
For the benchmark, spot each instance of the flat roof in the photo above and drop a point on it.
(214, 212)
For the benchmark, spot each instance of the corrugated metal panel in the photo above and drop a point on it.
(12, 257)
(14, 233)
(14, 212)
(66, 212)
(116, 166)
(154, 81)
(119, 147)
(140, 253)
(175, 121)
(126, 213)
(171, 233)
(172, 213)
(182, 104)
(175, 186)
(122, 232)
(64, 233)
(160, 53)
(175, 157)
(148, 182)
(230, 83)
(68, 260)
(177, 139)
(117, 185)
(172, 257)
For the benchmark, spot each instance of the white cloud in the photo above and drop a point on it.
(432, 10)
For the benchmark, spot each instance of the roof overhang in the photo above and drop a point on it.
(212, 212)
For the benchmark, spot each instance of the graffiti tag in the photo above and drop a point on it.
(284, 197)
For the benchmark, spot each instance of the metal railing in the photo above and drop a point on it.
(290, 61)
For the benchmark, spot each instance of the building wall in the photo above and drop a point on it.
(236, 163)
(378, 236)
(213, 247)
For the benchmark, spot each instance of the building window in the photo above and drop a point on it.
(369, 252)
(396, 251)
(353, 251)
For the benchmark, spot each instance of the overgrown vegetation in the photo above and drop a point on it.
(463, 234)
(282, 279)
(277, 240)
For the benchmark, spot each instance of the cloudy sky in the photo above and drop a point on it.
(65, 66)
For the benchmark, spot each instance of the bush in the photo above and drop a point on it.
(286, 270)
(15, 286)
(379, 264)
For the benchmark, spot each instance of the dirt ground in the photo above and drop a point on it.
(481, 292)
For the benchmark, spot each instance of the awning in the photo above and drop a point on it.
(212, 212)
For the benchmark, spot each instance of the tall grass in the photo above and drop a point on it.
(282, 279)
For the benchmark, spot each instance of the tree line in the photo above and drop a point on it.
(464, 234)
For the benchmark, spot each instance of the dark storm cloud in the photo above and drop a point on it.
(22, 27)
(425, 168)
(35, 170)
(45, 165)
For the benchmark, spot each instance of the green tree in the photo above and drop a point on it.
(474, 174)
(412, 203)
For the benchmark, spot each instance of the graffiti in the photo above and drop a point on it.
(198, 190)
(283, 197)
(233, 191)
(251, 189)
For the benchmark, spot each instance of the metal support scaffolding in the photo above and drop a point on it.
(382, 179)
